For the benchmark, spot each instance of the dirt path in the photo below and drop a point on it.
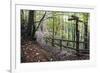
(32, 52)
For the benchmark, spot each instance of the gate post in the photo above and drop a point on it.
(77, 37)
(77, 32)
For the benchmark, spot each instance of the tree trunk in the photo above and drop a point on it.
(30, 24)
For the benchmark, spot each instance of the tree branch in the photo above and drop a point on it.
(40, 21)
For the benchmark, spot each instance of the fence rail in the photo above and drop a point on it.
(60, 44)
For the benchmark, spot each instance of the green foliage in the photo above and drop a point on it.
(57, 22)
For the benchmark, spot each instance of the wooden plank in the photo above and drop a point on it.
(68, 40)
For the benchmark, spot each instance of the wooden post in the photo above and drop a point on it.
(53, 32)
(85, 36)
(61, 45)
(77, 32)
(77, 36)
(74, 36)
(46, 40)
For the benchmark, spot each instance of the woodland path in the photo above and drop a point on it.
(34, 52)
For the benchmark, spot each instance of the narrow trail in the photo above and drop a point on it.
(32, 52)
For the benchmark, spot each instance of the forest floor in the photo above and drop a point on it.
(35, 52)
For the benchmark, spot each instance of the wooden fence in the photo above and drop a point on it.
(61, 45)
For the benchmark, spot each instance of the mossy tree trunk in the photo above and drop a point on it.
(31, 25)
(31, 28)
